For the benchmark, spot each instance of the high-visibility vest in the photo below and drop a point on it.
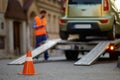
(39, 22)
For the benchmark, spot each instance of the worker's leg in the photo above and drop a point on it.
(38, 40)
(46, 55)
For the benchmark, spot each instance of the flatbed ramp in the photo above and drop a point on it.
(37, 51)
(90, 57)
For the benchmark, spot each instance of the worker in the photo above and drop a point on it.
(39, 26)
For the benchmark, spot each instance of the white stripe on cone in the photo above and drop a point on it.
(29, 59)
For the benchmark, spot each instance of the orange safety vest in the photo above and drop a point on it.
(39, 22)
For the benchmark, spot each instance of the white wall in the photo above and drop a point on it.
(23, 37)
(10, 36)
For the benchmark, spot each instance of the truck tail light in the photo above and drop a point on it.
(106, 5)
(111, 47)
(62, 21)
(104, 20)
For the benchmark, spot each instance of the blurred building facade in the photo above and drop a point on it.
(16, 16)
(3, 44)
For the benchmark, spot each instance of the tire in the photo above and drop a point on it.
(111, 34)
(71, 55)
(113, 56)
(63, 35)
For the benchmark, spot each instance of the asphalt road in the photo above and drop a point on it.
(62, 70)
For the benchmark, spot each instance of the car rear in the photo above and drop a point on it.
(87, 17)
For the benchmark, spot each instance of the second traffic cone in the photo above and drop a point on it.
(28, 68)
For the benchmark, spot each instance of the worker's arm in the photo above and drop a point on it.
(34, 24)
(36, 27)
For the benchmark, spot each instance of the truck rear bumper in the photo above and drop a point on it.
(85, 28)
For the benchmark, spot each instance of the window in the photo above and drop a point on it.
(2, 25)
(54, 23)
(85, 1)
(54, 1)
(49, 23)
(2, 42)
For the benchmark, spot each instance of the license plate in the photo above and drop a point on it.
(82, 26)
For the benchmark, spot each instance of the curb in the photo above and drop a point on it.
(118, 63)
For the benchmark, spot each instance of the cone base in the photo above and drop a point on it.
(28, 74)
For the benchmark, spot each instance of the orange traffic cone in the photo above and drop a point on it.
(28, 68)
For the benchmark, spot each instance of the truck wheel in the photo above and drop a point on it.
(71, 55)
(111, 34)
(113, 56)
(63, 35)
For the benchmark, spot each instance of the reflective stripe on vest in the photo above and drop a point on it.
(39, 22)
(40, 32)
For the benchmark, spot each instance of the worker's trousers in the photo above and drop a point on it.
(39, 41)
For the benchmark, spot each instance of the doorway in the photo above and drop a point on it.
(16, 33)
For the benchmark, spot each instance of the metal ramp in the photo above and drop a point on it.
(89, 58)
(37, 51)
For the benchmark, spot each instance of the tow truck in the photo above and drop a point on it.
(92, 50)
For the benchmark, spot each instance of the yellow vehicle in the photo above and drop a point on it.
(90, 18)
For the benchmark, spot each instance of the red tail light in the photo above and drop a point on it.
(64, 5)
(111, 47)
(104, 21)
(62, 21)
(106, 5)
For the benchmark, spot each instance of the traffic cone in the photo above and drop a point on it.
(28, 68)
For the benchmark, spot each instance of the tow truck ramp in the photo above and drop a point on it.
(90, 57)
(38, 51)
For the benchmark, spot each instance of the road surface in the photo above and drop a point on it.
(62, 70)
